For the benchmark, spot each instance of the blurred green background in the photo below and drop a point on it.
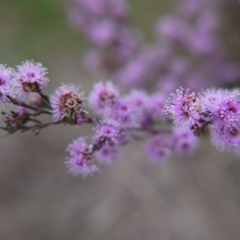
(188, 198)
(38, 29)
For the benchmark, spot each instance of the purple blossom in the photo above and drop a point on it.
(21, 111)
(211, 97)
(159, 147)
(156, 105)
(124, 45)
(30, 77)
(179, 66)
(6, 84)
(168, 83)
(119, 9)
(103, 95)
(225, 137)
(201, 43)
(79, 167)
(124, 114)
(107, 131)
(109, 153)
(124, 136)
(184, 108)
(102, 33)
(104, 24)
(157, 56)
(67, 102)
(188, 52)
(184, 142)
(134, 74)
(139, 100)
(80, 121)
(228, 111)
(171, 28)
(80, 162)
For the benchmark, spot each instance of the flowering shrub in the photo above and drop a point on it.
(187, 50)
(120, 119)
(187, 53)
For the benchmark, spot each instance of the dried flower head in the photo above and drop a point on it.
(67, 102)
(80, 162)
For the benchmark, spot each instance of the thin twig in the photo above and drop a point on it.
(23, 104)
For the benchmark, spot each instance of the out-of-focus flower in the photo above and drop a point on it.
(225, 137)
(109, 153)
(159, 147)
(184, 142)
(124, 114)
(102, 96)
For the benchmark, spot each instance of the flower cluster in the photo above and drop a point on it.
(180, 141)
(80, 161)
(118, 119)
(27, 78)
(103, 22)
(187, 50)
(219, 109)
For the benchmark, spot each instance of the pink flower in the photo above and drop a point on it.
(119, 9)
(6, 84)
(80, 162)
(30, 77)
(179, 66)
(103, 95)
(225, 137)
(159, 147)
(140, 104)
(134, 74)
(168, 83)
(125, 45)
(107, 131)
(172, 28)
(109, 153)
(184, 141)
(102, 33)
(67, 102)
(211, 97)
(184, 108)
(124, 114)
(156, 106)
(228, 111)
(21, 111)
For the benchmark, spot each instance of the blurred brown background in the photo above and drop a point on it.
(188, 198)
